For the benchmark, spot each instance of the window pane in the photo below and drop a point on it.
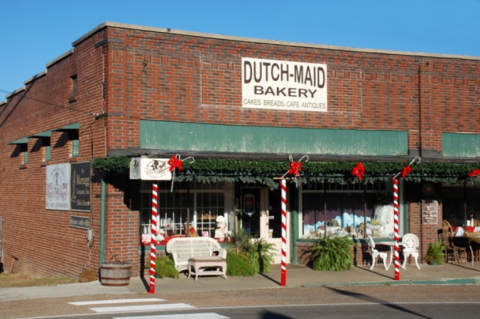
(213, 199)
(221, 200)
(206, 199)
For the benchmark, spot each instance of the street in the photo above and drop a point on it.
(432, 301)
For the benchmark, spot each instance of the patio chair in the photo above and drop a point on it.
(446, 223)
(376, 253)
(476, 223)
(450, 248)
(410, 248)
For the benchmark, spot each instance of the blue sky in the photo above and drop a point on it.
(34, 32)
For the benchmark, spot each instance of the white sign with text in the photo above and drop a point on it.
(58, 187)
(284, 85)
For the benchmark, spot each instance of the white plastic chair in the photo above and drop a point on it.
(410, 247)
(376, 253)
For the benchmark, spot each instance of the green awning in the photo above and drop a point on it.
(23, 140)
(73, 126)
(43, 134)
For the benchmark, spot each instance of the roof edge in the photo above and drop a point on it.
(35, 77)
(61, 57)
(15, 92)
(262, 41)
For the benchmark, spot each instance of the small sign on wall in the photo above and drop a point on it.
(135, 168)
(429, 212)
(79, 222)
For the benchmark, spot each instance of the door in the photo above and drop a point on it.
(250, 204)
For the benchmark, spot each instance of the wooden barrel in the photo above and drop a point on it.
(115, 274)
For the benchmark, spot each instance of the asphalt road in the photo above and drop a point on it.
(449, 301)
(373, 311)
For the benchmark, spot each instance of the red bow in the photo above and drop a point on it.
(174, 162)
(295, 168)
(406, 170)
(475, 172)
(358, 170)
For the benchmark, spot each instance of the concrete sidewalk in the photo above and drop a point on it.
(297, 276)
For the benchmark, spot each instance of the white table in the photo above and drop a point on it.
(391, 244)
(474, 236)
(220, 265)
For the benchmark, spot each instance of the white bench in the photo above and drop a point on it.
(184, 248)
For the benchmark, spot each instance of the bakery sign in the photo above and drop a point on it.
(284, 85)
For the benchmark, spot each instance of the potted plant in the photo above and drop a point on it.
(332, 254)
(435, 253)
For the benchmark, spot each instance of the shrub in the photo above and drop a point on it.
(239, 265)
(165, 267)
(332, 254)
(435, 253)
(261, 256)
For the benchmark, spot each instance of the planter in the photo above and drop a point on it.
(433, 263)
(115, 274)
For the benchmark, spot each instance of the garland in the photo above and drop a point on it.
(264, 172)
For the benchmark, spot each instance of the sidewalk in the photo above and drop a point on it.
(297, 276)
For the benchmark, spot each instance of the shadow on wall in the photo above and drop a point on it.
(1, 267)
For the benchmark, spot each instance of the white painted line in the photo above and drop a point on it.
(101, 302)
(206, 315)
(164, 307)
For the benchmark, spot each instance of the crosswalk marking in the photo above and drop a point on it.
(163, 307)
(206, 315)
(113, 301)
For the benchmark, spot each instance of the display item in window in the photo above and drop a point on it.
(221, 233)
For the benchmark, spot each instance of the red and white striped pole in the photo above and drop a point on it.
(283, 281)
(153, 242)
(395, 227)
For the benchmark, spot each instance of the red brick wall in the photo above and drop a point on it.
(175, 77)
(42, 240)
(427, 234)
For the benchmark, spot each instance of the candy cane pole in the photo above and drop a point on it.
(284, 233)
(153, 242)
(395, 226)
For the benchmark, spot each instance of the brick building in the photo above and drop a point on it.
(126, 90)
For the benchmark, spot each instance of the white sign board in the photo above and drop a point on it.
(283, 85)
(58, 187)
(135, 168)
(155, 169)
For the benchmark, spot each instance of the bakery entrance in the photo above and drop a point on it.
(250, 201)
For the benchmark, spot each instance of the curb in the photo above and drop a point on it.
(456, 281)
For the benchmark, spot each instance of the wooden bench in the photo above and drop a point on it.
(184, 248)
(200, 266)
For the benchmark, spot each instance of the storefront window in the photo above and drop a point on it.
(347, 210)
(196, 208)
(461, 203)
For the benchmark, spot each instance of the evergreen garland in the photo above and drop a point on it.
(264, 172)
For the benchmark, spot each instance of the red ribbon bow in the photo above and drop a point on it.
(175, 162)
(406, 170)
(295, 168)
(358, 171)
(475, 172)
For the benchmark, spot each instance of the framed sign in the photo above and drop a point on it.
(80, 187)
(58, 187)
(429, 212)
